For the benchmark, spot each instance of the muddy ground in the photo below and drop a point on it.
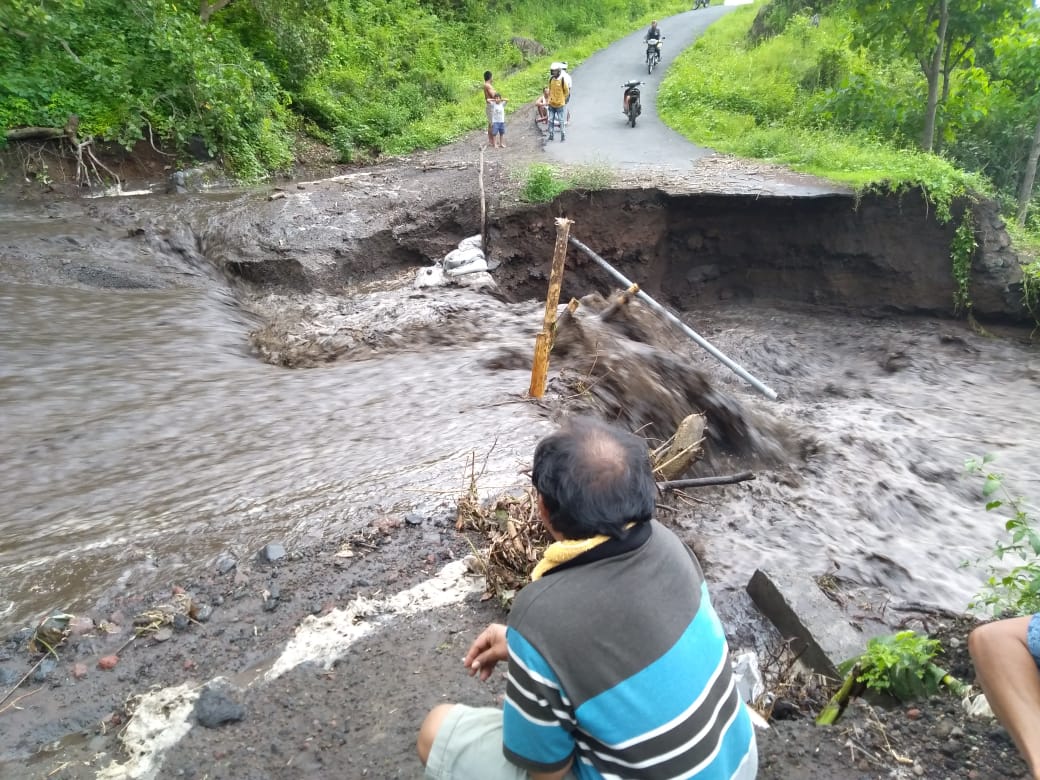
(357, 718)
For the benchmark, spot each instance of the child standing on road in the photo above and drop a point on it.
(498, 121)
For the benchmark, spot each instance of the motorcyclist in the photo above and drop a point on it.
(654, 34)
(629, 87)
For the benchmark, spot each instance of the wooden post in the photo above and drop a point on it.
(543, 342)
(483, 207)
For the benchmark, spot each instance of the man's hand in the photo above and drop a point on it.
(487, 650)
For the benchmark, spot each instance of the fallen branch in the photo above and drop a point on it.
(35, 133)
(727, 479)
(483, 205)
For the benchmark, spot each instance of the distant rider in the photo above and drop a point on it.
(654, 34)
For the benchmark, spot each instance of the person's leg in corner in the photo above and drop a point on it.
(1006, 655)
(428, 731)
(457, 742)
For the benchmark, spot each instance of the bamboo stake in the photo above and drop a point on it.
(483, 206)
(543, 342)
(839, 701)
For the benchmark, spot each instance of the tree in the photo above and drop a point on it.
(209, 7)
(1018, 55)
(940, 35)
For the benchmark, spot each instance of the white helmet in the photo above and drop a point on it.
(557, 66)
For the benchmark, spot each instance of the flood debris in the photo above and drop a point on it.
(516, 539)
(182, 606)
(675, 456)
(629, 369)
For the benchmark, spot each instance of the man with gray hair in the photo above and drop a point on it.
(617, 663)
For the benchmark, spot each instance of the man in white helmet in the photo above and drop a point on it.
(566, 76)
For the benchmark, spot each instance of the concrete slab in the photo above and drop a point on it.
(802, 613)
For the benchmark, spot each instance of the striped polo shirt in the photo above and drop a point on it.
(618, 659)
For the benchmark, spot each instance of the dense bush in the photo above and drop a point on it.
(365, 76)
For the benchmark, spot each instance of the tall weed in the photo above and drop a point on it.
(1013, 582)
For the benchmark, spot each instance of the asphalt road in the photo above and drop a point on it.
(599, 132)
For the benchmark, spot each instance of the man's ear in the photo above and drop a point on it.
(543, 515)
(543, 512)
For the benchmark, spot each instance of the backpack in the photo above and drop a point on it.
(557, 92)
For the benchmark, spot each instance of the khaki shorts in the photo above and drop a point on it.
(469, 747)
(487, 111)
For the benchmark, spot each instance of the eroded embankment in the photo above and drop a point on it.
(876, 254)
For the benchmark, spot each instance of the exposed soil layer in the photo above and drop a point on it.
(703, 235)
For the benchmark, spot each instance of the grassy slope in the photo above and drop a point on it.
(754, 102)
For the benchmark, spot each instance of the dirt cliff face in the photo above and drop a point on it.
(878, 254)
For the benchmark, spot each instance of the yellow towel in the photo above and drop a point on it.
(561, 552)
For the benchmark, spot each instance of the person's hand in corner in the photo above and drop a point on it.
(487, 650)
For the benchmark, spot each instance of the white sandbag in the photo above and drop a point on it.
(475, 265)
(462, 257)
(474, 241)
(475, 281)
(430, 277)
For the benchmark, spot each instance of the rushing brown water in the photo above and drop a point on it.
(142, 438)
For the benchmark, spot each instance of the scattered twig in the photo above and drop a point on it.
(25, 677)
(14, 703)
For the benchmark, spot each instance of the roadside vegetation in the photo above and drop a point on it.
(881, 95)
(244, 79)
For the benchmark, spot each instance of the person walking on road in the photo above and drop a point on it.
(566, 76)
(557, 102)
(489, 96)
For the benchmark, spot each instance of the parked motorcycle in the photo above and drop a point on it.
(635, 108)
(701, 4)
(653, 53)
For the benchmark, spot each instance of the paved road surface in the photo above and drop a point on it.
(599, 132)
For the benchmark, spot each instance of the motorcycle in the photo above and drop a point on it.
(653, 53)
(635, 108)
(701, 4)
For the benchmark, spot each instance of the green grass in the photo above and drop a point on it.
(542, 183)
(763, 103)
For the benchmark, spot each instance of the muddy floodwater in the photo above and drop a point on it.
(143, 436)
(140, 436)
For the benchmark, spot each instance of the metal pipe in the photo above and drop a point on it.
(765, 390)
